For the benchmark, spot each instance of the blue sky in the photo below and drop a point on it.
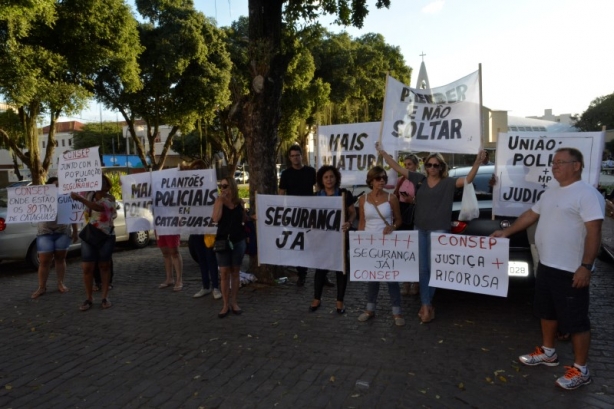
(535, 54)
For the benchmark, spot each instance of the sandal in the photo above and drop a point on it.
(366, 316)
(62, 288)
(87, 304)
(40, 291)
(106, 304)
(165, 285)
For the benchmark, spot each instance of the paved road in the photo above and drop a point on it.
(159, 349)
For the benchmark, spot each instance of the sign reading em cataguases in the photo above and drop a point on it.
(475, 264)
(375, 256)
(300, 231)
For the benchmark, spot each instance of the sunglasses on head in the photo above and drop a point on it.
(379, 178)
(431, 165)
(223, 186)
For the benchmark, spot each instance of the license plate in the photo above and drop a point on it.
(518, 269)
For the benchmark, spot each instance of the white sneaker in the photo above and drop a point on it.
(203, 291)
(217, 294)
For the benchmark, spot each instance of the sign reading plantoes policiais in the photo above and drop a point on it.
(443, 119)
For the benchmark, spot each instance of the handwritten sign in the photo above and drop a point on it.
(32, 204)
(384, 257)
(183, 201)
(300, 231)
(524, 166)
(80, 171)
(70, 211)
(442, 119)
(138, 202)
(350, 148)
(475, 264)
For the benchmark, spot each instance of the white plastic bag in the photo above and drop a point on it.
(469, 206)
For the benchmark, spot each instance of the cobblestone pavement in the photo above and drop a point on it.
(160, 349)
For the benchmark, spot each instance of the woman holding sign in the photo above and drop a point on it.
(52, 243)
(433, 212)
(230, 244)
(98, 246)
(328, 180)
(380, 212)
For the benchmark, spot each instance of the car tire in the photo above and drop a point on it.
(139, 239)
(32, 255)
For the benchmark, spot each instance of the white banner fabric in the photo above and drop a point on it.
(475, 264)
(136, 194)
(523, 166)
(384, 257)
(183, 201)
(443, 119)
(303, 231)
(32, 204)
(80, 171)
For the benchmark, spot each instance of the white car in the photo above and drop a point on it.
(18, 241)
(241, 177)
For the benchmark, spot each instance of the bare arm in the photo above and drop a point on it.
(525, 220)
(351, 216)
(592, 243)
(460, 182)
(91, 204)
(391, 162)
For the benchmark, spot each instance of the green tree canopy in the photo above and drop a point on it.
(185, 71)
(600, 113)
(106, 135)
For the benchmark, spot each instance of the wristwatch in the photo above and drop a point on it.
(587, 266)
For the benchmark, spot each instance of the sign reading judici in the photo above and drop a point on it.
(300, 231)
(524, 166)
(474, 264)
(375, 256)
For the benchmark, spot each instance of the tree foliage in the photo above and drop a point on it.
(185, 71)
(600, 113)
(106, 135)
(50, 54)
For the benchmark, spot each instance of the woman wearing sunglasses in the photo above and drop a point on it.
(433, 212)
(380, 212)
(229, 215)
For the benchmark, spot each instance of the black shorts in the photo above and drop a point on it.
(557, 300)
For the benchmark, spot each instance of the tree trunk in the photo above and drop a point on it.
(260, 111)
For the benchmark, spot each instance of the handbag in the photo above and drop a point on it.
(222, 245)
(209, 240)
(469, 204)
(93, 235)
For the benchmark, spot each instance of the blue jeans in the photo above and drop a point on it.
(395, 296)
(424, 241)
(207, 261)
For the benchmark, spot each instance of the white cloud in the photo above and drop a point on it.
(433, 7)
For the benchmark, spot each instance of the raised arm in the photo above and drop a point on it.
(460, 182)
(390, 160)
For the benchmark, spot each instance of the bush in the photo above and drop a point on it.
(116, 189)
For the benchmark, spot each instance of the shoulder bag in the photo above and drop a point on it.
(93, 235)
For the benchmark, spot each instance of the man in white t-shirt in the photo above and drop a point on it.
(568, 237)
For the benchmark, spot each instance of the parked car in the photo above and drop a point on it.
(241, 177)
(18, 241)
(520, 266)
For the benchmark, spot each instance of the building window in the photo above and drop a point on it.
(63, 142)
(43, 144)
(70, 142)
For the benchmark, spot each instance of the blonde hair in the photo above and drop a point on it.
(443, 166)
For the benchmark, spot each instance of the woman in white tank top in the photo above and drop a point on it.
(380, 212)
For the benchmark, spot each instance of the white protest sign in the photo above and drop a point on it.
(350, 148)
(475, 264)
(442, 119)
(80, 171)
(138, 203)
(32, 204)
(524, 166)
(300, 231)
(183, 201)
(375, 256)
(70, 211)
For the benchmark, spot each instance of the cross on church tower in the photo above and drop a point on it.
(422, 55)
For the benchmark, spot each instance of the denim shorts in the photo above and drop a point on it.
(50, 243)
(103, 253)
(232, 257)
(557, 300)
